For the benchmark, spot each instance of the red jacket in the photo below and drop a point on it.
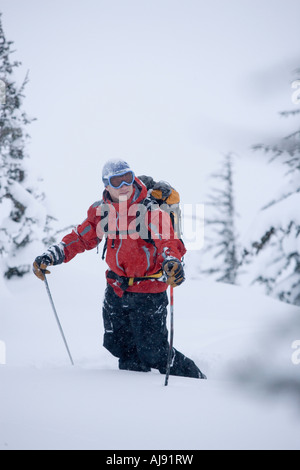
(128, 254)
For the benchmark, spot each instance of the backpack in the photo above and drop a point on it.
(168, 199)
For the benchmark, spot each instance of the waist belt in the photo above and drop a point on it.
(126, 282)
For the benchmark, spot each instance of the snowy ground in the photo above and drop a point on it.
(47, 404)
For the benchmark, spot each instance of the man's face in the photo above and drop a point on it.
(122, 194)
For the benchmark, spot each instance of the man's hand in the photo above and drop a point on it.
(162, 191)
(41, 264)
(53, 256)
(174, 270)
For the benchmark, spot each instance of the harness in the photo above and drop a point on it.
(125, 282)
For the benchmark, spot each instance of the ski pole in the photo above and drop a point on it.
(171, 336)
(57, 319)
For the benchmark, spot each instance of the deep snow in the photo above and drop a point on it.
(167, 107)
(47, 404)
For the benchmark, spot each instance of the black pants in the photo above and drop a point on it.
(136, 333)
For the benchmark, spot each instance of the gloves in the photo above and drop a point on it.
(53, 256)
(174, 270)
(162, 191)
(40, 266)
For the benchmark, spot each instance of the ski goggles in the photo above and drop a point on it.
(117, 181)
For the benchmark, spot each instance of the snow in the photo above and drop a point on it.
(34, 209)
(277, 215)
(47, 404)
(12, 233)
(167, 106)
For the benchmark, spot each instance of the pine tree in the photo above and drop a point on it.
(23, 217)
(221, 224)
(274, 251)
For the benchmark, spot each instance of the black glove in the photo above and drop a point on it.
(53, 256)
(174, 270)
(161, 190)
(148, 181)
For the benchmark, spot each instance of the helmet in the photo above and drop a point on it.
(114, 168)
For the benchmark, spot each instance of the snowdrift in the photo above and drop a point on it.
(240, 339)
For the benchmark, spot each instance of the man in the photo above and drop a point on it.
(144, 257)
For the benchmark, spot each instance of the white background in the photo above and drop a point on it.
(170, 85)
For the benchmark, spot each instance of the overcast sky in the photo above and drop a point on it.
(170, 85)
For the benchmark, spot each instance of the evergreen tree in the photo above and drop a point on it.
(23, 218)
(274, 251)
(221, 225)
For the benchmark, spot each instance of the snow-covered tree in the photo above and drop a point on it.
(273, 250)
(23, 217)
(221, 226)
